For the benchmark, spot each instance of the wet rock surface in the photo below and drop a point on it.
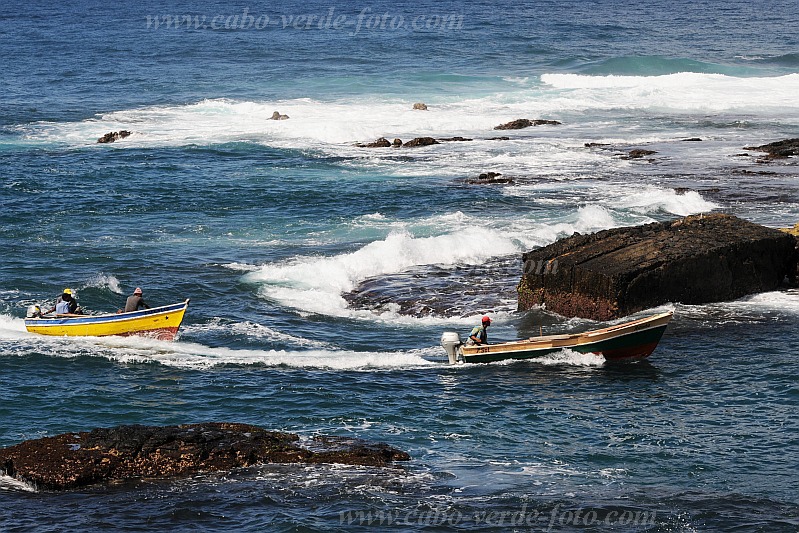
(692, 260)
(779, 149)
(113, 136)
(521, 123)
(73, 460)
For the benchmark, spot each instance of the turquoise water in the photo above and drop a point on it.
(321, 275)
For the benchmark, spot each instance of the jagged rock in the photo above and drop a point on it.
(638, 154)
(693, 260)
(454, 139)
(277, 116)
(74, 460)
(382, 142)
(779, 149)
(489, 177)
(420, 141)
(521, 123)
(112, 136)
(420, 106)
(397, 143)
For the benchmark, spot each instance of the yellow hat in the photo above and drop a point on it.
(68, 291)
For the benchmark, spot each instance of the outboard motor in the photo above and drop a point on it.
(34, 311)
(451, 341)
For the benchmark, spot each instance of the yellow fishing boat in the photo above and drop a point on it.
(158, 322)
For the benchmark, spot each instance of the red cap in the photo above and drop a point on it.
(486, 320)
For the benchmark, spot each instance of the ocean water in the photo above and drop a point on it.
(322, 274)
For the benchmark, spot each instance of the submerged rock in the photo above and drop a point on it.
(112, 136)
(521, 123)
(419, 106)
(73, 460)
(277, 116)
(692, 260)
(454, 139)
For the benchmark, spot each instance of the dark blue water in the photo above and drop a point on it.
(322, 274)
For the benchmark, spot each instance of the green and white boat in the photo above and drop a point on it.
(629, 341)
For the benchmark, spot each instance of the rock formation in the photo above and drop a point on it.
(779, 149)
(638, 154)
(521, 123)
(489, 178)
(693, 260)
(112, 136)
(420, 106)
(382, 142)
(73, 460)
(420, 141)
(277, 116)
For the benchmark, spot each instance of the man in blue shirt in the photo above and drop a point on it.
(479, 335)
(66, 304)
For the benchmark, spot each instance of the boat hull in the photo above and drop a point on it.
(625, 342)
(159, 322)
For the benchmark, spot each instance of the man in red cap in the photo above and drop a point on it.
(479, 334)
(135, 302)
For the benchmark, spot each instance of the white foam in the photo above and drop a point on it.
(686, 91)
(652, 199)
(10, 483)
(105, 281)
(317, 284)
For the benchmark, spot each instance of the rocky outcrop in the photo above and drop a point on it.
(397, 143)
(277, 116)
(454, 139)
(638, 153)
(74, 460)
(419, 106)
(382, 142)
(112, 136)
(693, 260)
(420, 141)
(489, 178)
(779, 149)
(521, 123)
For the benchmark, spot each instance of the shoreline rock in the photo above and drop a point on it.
(420, 141)
(692, 260)
(521, 123)
(779, 149)
(74, 460)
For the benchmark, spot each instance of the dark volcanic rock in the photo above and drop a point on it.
(498, 138)
(692, 139)
(454, 139)
(382, 142)
(638, 154)
(397, 143)
(779, 149)
(693, 260)
(112, 136)
(74, 460)
(420, 141)
(489, 177)
(521, 123)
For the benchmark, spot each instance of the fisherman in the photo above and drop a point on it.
(479, 334)
(135, 302)
(66, 304)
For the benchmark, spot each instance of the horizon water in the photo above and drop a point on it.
(322, 274)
